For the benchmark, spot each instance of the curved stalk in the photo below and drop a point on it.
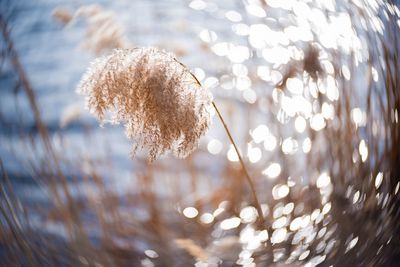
(246, 173)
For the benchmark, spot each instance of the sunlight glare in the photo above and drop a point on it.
(278, 236)
(190, 212)
(214, 146)
(232, 155)
(230, 223)
(317, 122)
(248, 214)
(300, 124)
(260, 133)
(323, 180)
(273, 170)
(363, 150)
(280, 191)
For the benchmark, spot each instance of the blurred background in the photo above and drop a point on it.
(309, 90)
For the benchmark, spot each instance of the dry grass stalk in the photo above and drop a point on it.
(192, 248)
(161, 103)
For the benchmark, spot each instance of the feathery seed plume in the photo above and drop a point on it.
(162, 105)
(103, 30)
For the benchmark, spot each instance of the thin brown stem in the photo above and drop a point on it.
(246, 173)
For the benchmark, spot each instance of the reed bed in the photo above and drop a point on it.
(326, 185)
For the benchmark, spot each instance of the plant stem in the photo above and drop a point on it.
(247, 176)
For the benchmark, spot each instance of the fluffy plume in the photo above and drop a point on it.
(62, 15)
(103, 31)
(161, 104)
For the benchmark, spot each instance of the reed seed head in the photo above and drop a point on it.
(161, 104)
